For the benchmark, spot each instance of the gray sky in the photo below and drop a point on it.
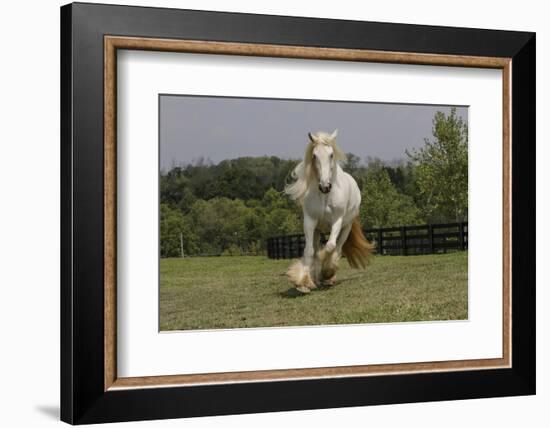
(219, 128)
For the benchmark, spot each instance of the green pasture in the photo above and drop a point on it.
(240, 292)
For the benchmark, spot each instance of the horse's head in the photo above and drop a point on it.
(318, 167)
(323, 153)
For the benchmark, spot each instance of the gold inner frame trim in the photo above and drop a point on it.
(113, 43)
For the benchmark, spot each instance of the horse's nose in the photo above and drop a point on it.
(325, 189)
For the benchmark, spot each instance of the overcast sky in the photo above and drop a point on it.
(219, 128)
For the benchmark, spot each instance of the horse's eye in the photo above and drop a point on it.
(331, 155)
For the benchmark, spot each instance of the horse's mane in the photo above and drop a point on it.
(303, 173)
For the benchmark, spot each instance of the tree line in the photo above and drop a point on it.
(233, 206)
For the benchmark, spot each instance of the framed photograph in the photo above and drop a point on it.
(266, 213)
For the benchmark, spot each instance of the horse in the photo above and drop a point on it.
(330, 200)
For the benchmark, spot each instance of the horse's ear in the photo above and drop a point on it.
(311, 138)
(334, 134)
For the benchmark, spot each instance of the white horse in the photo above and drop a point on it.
(330, 199)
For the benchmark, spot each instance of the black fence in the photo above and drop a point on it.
(394, 241)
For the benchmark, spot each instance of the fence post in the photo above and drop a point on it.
(379, 249)
(431, 238)
(461, 235)
(403, 241)
(181, 244)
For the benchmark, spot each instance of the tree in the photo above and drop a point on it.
(353, 166)
(175, 189)
(223, 223)
(382, 205)
(441, 169)
(281, 215)
(175, 230)
(274, 199)
(352, 163)
(241, 178)
(281, 221)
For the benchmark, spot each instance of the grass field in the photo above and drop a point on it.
(237, 292)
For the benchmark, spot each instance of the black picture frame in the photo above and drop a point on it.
(83, 399)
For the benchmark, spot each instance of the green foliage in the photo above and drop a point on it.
(382, 205)
(281, 215)
(441, 170)
(242, 178)
(352, 164)
(175, 228)
(222, 223)
(233, 250)
(175, 189)
(227, 226)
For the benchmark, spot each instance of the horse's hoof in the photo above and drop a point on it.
(309, 284)
(306, 285)
(330, 281)
(302, 289)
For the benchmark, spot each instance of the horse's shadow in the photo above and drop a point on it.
(293, 293)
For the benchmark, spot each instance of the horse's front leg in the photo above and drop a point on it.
(330, 254)
(300, 272)
(309, 253)
(330, 246)
(316, 268)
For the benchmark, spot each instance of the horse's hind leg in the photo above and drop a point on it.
(328, 270)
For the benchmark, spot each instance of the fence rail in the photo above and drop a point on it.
(405, 240)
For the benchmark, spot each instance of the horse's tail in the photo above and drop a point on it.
(357, 249)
